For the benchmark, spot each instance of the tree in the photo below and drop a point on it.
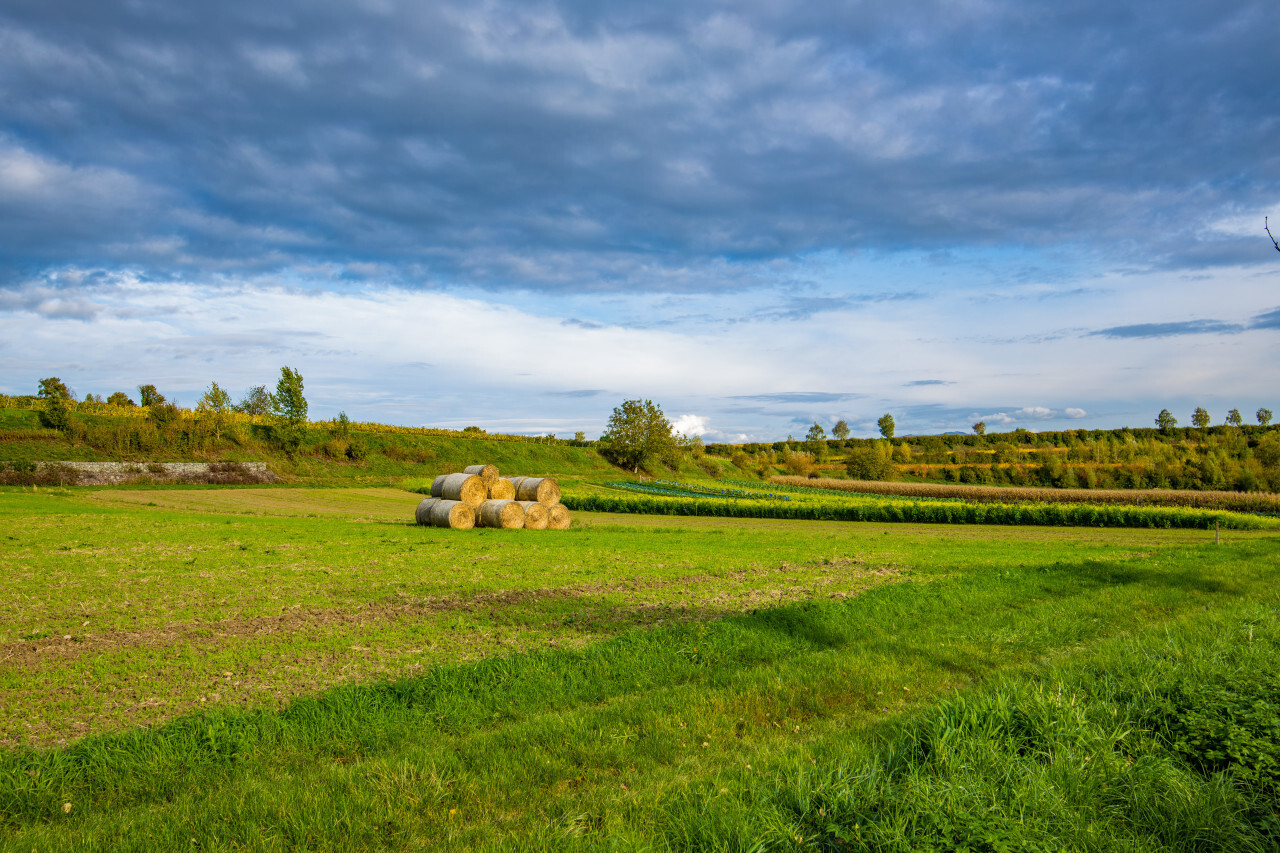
(1264, 416)
(1234, 418)
(256, 401)
(816, 433)
(54, 388)
(1165, 420)
(841, 429)
(868, 463)
(886, 425)
(1267, 225)
(215, 406)
(289, 409)
(980, 428)
(149, 396)
(119, 398)
(54, 395)
(1200, 417)
(636, 431)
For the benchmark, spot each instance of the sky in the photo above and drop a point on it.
(759, 215)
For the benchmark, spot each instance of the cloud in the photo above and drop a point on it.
(790, 397)
(1074, 413)
(574, 147)
(1269, 320)
(690, 425)
(1165, 330)
(1037, 413)
(918, 383)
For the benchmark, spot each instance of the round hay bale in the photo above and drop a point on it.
(535, 515)
(436, 485)
(502, 490)
(515, 482)
(422, 514)
(488, 473)
(544, 490)
(557, 517)
(508, 515)
(467, 488)
(455, 514)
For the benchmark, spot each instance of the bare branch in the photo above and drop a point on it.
(1269, 234)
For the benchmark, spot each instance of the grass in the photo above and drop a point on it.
(633, 683)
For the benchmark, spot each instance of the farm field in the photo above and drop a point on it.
(276, 668)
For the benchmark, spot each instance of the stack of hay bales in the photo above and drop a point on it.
(478, 497)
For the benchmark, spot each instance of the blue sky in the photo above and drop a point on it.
(757, 214)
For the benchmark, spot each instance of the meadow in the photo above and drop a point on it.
(289, 668)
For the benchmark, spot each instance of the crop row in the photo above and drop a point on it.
(673, 489)
(1054, 515)
(1264, 502)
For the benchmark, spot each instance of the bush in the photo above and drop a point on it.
(867, 463)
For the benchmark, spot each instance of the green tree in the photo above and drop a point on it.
(1268, 451)
(886, 425)
(119, 398)
(256, 401)
(1165, 420)
(342, 425)
(54, 388)
(868, 462)
(1264, 416)
(149, 396)
(289, 410)
(54, 396)
(841, 429)
(816, 433)
(215, 408)
(637, 430)
(1200, 417)
(1234, 418)
(980, 428)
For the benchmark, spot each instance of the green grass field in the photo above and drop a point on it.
(271, 669)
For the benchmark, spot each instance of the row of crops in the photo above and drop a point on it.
(669, 488)
(880, 509)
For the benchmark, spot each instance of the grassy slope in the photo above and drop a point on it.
(392, 456)
(625, 719)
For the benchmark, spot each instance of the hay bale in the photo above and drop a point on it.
(455, 514)
(422, 514)
(544, 490)
(436, 485)
(488, 473)
(535, 515)
(467, 488)
(515, 482)
(508, 515)
(557, 517)
(502, 490)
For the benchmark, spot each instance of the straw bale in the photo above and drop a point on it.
(504, 514)
(535, 515)
(488, 473)
(515, 481)
(502, 490)
(436, 485)
(544, 490)
(467, 488)
(455, 514)
(422, 514)
(558, 517)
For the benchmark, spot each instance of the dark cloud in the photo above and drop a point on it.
(1165, 330)
(921, 382)
(568, 145)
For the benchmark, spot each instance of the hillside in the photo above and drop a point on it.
(330, 454)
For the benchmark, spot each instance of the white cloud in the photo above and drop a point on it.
(1034, 413)
(690, 425)
(1075, 414)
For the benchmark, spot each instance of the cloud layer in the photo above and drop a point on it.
(770, 214)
